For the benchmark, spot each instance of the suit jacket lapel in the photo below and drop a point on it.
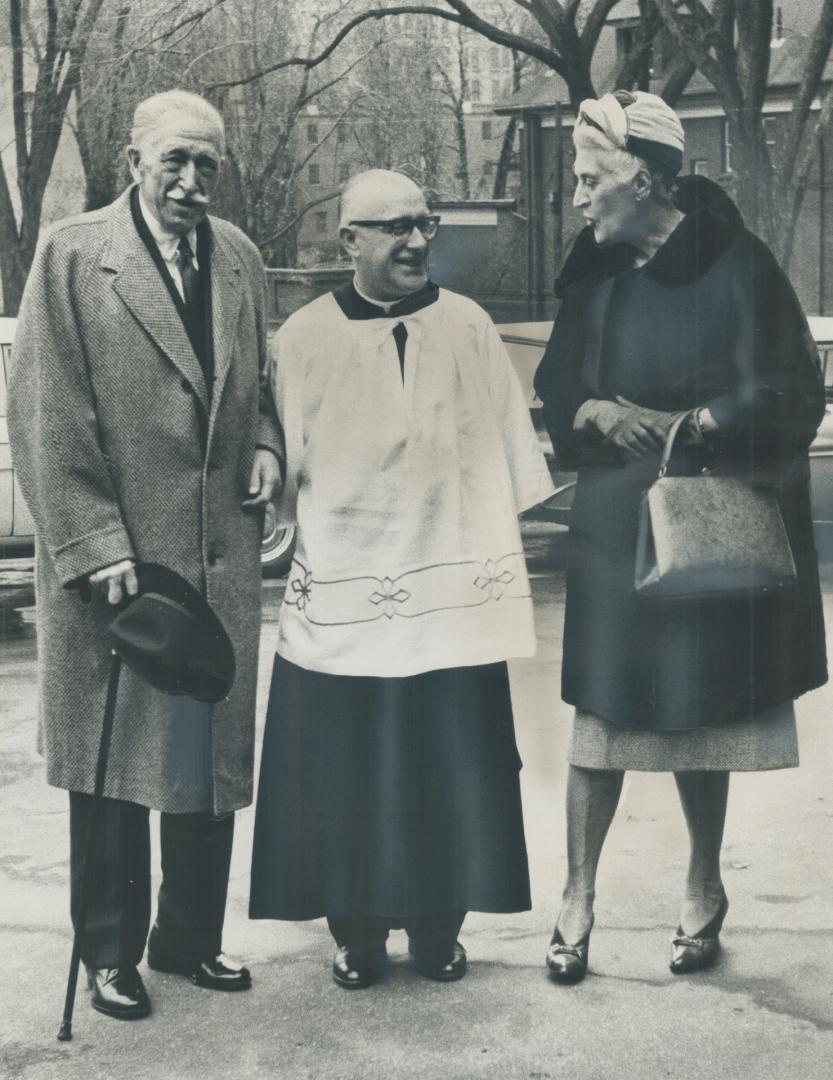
(143, 292)
(226, 297)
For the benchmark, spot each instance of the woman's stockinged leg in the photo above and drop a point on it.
(703, 796)
(592, 798)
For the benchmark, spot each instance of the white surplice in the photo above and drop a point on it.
(405, 489)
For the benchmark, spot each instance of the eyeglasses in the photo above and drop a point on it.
(428, 225)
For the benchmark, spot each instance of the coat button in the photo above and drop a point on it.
(186, 386)
(212, 558)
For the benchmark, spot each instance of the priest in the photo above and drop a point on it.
(389, 788)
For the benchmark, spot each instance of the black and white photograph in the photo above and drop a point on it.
(416, 539)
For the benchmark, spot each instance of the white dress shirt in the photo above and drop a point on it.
(168, 244)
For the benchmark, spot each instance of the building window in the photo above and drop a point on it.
(770, 130)
(343, 172)
(321, 221)
(474, 89)
(341, 133)
(315, 174)
(699, 167)
(312, 133)
(626, 39)
(726, 156)
(497, 89)
(487, 129)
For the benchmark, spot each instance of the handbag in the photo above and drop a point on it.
(708, 535)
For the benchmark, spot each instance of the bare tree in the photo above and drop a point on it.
(48, 40)
(730, 41)
(563, 37)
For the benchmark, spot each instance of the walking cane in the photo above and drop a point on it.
(170, 637)
(65, 1031)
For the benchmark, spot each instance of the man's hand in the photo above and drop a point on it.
(266, 475)
(116, 580)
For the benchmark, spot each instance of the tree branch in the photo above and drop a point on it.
(697, 44)
(815, 65)
(298, 217)
(595, 24)
(473, 22)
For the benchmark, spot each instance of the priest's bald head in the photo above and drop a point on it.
(385, 227)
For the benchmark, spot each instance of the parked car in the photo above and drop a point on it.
(525, 344)
(17, 527)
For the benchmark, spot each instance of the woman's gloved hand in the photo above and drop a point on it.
(659, 422)
(633, 431)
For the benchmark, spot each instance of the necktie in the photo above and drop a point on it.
(190, 277)
(400, 336)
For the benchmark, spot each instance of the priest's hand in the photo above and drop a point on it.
(265, 480)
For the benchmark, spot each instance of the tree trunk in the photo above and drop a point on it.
(504, 161)
(15, 260)
(753, 173)
(462, 150)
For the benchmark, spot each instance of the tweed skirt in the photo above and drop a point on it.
(765, 741)
(388, 797)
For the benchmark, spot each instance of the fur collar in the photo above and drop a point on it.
(711, 224)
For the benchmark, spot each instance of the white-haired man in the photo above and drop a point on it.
(143, 429)
(389, 792)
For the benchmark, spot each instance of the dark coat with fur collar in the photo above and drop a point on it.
(711, 320)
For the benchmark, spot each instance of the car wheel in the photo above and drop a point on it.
(278, 544)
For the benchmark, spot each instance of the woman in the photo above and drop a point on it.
(670, 305)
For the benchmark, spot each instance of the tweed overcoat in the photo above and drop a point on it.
(120, 455)
(710, 320)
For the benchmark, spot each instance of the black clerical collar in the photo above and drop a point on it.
(356, 307)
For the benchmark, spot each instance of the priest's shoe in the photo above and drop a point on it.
(441, 965)
(218, 972)
(356, 969)
(118, 992)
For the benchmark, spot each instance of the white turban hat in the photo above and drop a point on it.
(641, 123)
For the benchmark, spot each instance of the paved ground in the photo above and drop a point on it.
(765, 1011)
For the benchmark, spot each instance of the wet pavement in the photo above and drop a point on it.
(766, 1010)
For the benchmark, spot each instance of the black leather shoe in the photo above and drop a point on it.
(218, 972)
(118, 992)
(356, 969)
(439, 964)
(568, 963)
(702, 950)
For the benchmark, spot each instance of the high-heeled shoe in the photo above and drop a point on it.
(700, 951)
(568, 963)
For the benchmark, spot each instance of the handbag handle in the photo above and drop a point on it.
(669, 442)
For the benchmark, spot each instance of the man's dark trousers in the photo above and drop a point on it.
(196, 854)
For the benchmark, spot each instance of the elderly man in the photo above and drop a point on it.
(142, 429)
(389, 792)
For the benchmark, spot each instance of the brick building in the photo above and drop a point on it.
(545, 122)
